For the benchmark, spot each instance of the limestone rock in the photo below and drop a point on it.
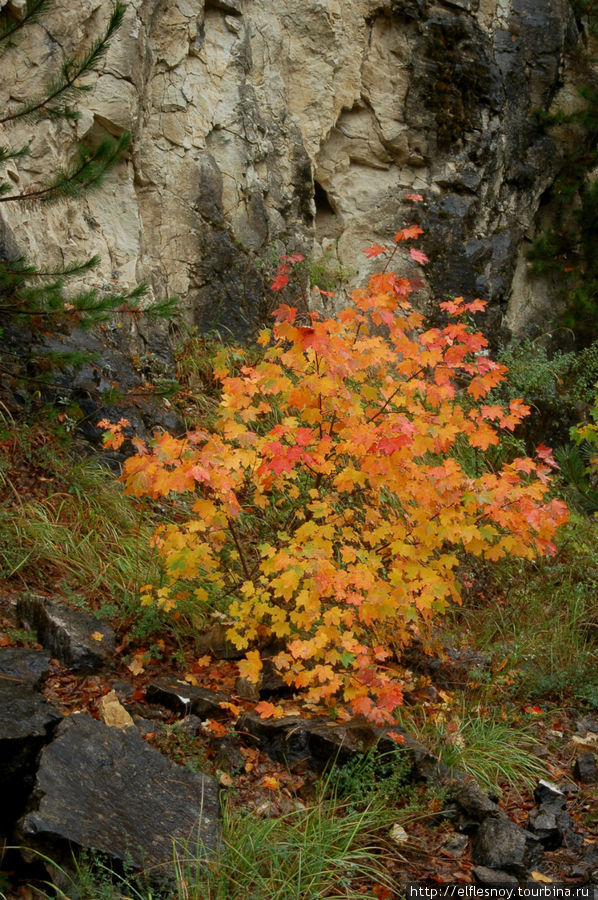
(261, 128)
(113, 713)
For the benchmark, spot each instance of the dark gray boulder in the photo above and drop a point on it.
(185, 698)
(23, 664)
(585, 769)
(316, 742)
(551, 822)
(499, 843)
(491, 877)
(106, 790)
(543, 823)
(68, 633)
(27, 721)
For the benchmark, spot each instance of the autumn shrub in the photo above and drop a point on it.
(327, 510)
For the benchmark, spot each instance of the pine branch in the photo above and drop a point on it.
(7, 153)
(32, 13)
(14, 272)
(86, 174)
(64, 87)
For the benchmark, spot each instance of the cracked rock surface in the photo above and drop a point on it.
(261, 128)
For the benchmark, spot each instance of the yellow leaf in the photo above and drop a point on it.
(539, 876)
(97, 636)
(251, 666)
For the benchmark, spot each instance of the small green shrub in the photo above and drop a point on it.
(371, 776)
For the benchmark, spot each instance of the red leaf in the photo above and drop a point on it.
(416, 198)
(279, 282)
(545, 453)
(477, 305)
(408, 234)
(285, 313)
(418, 256)
(325, 293)
(374, 250)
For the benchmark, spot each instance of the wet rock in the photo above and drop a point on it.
(22, 664)
(548, 793)
(27, 721)
(588, 723)
(489, 877)
(473, 802)
(500, 844)
(453, 669)
(185, 698)
(70, 635)
(544, 825)
(107, 790)
(292, 739)
(145, 726)
(585, 769)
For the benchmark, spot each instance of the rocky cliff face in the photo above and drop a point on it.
(263, 127)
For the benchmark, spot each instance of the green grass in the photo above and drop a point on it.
(323, 851)
(67, 524)
(540, 620)
(494, 752)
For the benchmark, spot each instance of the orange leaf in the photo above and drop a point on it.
(267, 710)
(216, 728)
(273, 784)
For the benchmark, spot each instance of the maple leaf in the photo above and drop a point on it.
(477, 305)
(418, 256)
(251, 666)
(407, 234)
(545, 454)
(279, 282)
(285, 313)
(374, 250)
(216, 728)
(266, 710)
